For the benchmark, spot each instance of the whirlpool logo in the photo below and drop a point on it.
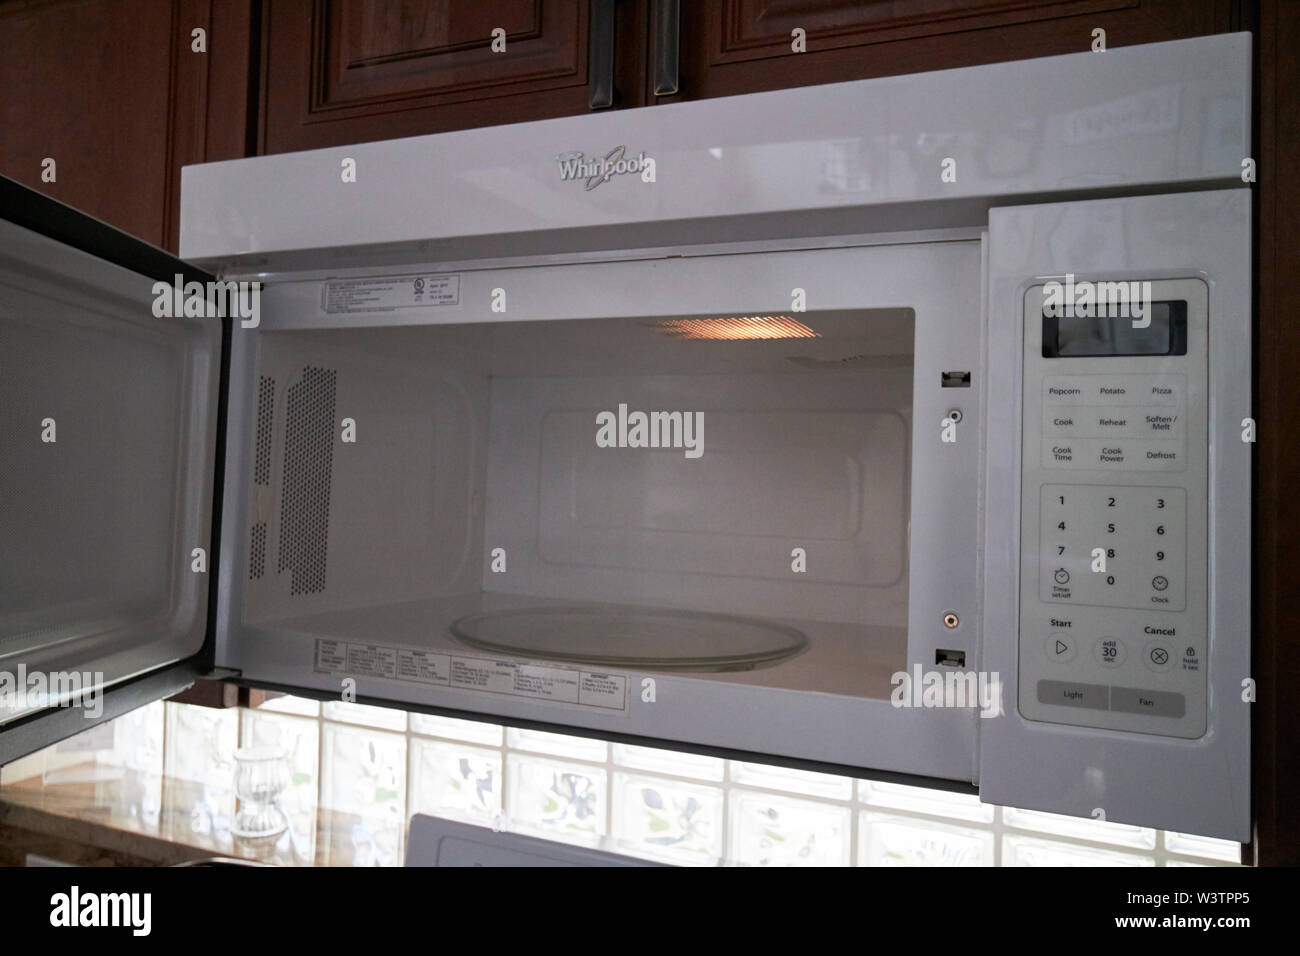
(596, 170)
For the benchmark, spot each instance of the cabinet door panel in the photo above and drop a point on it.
(114, 94)
(738, 46)
(344, 71)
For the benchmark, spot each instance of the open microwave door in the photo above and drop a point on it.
(110, 414)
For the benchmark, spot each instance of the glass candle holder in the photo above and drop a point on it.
(261, 775)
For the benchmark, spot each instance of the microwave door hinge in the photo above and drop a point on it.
(223, 673)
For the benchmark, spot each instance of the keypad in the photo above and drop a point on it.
(1114, 422)
(1113, 546)
(1114, 533)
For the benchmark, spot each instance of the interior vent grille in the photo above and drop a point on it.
(265, 419)
(308, 467)
(257, 556)
(261, 471)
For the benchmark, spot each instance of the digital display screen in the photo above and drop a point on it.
(1082, 336)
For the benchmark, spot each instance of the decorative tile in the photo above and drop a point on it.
(288, 704)
(138, 743)
(365, 715)
(943, 803)
(300, 738)
(556, 799)
(887, 840)
(1030, 851)
(365, 843)
(363, 772)
(667, 819)
(201, 744)
(1225, 850)
(769, 830)
(669, 761)
(794, 781)
(84, 758)
(1097, 831)
(471, 731)
(560, 745)
(454, 779)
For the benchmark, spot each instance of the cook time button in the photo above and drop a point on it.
(1061, 453)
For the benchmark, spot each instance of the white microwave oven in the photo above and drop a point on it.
(893, 427)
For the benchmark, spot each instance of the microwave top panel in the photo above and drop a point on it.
(921, 151)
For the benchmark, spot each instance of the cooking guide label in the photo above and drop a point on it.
(386, 293)
(513, 678)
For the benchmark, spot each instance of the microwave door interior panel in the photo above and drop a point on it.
(110, 425)
(740, 457)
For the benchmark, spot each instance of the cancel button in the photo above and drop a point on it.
(1157, 703)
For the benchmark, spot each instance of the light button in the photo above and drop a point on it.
(1070, 694)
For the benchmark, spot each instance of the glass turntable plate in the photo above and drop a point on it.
(632, 637)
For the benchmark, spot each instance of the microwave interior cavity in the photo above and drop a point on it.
(702, 494)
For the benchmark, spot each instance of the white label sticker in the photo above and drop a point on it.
(386, 293)
(367, 660)
(512, 678)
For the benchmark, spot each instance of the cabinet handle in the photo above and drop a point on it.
(600, 59)
(667, 16)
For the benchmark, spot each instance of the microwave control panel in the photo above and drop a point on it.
(1114, 508)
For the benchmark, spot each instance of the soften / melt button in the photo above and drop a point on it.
(1069, 694)
(1157, 703)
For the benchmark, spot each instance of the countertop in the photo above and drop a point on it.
(126, 817)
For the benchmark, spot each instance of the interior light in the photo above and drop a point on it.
(738, 327)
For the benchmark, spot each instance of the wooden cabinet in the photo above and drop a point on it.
(739, 46)
(112, 92)
(347, 71)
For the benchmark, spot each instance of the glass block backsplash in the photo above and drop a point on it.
(381, 765)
